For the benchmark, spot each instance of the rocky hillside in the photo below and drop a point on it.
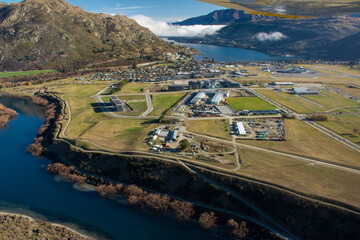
(309, 38)
(54, 34)
(219, 17)
(330, 38)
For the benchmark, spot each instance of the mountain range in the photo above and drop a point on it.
(54, 34)
(335, 38)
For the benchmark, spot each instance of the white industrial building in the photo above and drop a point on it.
(282, 83)
(217, 98)
(240, 128)
(304, 91)
(197, 98)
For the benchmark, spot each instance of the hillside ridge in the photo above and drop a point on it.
(54, 34)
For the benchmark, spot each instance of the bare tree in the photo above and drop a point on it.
(208, 220)
(236, 230)
(183, 210)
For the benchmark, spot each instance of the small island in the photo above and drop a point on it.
(15, 226)
(6, 115)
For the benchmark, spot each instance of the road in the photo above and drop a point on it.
(149, 103)
(304, 159)
(303, 118)
(342, 73)
(106, 111)
(271, 224)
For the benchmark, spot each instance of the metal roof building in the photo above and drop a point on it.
(174, 134)
(283, 83)
(240, 128)
(117, 104)
(198, 98)
(304, 91)
(218, 97)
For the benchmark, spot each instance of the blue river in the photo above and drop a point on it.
(26, 188)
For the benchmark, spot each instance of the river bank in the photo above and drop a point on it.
(22, 227)
(175, 180)
(6, 115)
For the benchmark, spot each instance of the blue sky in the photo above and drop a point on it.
(166, 10)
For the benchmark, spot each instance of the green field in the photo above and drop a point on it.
(138, 109)
(304, 140)
(119, 134)
(162, 102)
(132, 97)
(332, 100)
(88, 125)
(134, 88)
(25, 73)
(295, 103)
(344, 126)
(301, 176)
(249, 103)
(215, 128)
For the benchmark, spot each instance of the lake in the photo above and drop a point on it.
(26, 188)
(230, 54)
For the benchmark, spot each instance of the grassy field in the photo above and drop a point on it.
(304, 140)
(138, 109)
(300, 176)
(345, 87)
(119, 134)
(162, 102)
(134, 88)
(215, 128)
(249, 103)
(342, 69)
(295, 103)
(344, 126)
(83, 115)
(25, 73)
(88, 124)
(332, 100)
(85, 90)
(132, 97)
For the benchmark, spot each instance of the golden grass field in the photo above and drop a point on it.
(215, 128)
(303, 177)
(304, 140)
(344, 126)
(162, 102)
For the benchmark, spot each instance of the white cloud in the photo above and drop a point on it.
(162, 28)
(274, 36)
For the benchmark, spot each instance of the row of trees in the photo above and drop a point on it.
(36, 148)
(68, 173)
(318, 117)
(144, 199)
(141, 198)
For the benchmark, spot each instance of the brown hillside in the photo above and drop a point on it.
(53, 34)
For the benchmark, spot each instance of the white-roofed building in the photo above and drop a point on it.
(240, 128)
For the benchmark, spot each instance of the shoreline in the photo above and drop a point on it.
(6, 115)
(39, 222)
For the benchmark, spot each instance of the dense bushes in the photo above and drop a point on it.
(236, 230)
(68, 173)
(208, 220)
(51, 117)
(318, 117)
(6, 115)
